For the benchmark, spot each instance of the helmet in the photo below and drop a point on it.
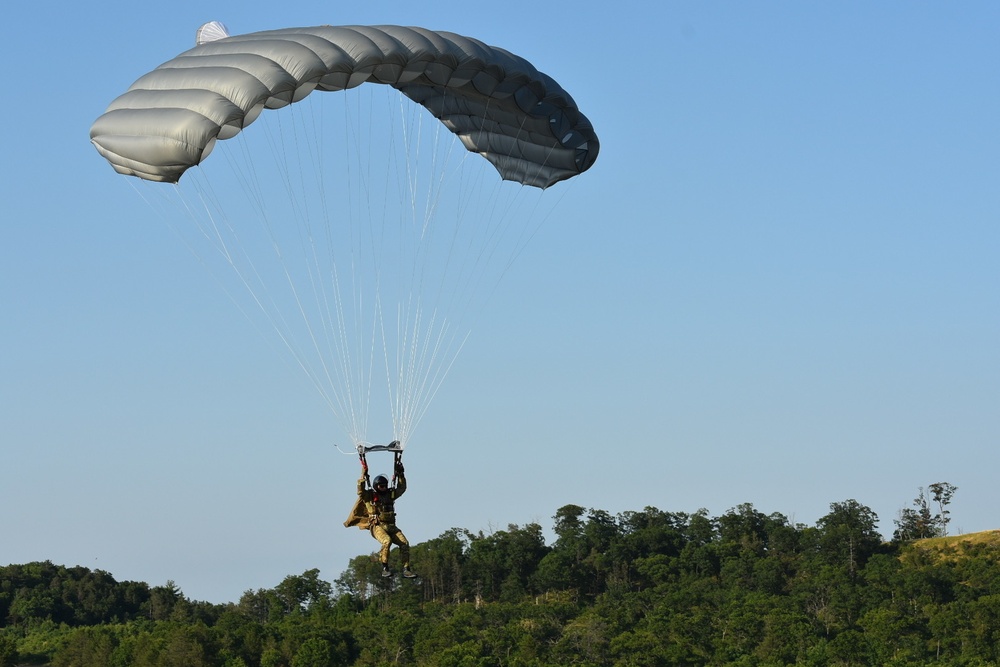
(381, 480)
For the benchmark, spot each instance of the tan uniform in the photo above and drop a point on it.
(377, 513)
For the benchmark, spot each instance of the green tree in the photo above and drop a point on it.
(918, 522)
(88, 647)
(786, 633)
(163, 599)
(849, 648)
(8, 650)
(848, 535)
(914, 523)
(187, 646)
(313, 652)
(583, 641)
(272, 658)
(745, 588)
(441, 564)
(304, 592)
(642, 647)
(700, 555)
(503, 564)
(941, 493)
(454, 625)
(563, 567)
(241, 636)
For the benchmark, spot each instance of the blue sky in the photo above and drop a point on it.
(778, 285)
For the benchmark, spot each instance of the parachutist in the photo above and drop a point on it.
(375, 511)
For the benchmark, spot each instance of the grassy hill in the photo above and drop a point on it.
(955, 546)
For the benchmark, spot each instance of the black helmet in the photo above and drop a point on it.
(381, 480)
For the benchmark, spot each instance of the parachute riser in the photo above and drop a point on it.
(395, 447)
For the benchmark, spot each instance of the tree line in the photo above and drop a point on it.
(641, 588)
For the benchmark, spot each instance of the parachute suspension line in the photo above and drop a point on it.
(427, 345)
(399, 362)
(410, 312)
(360, 411)
(299, 221)
(404, 254)
(493, 232)
(223, 236)
(294, 176)
(331, 319)
(439, 350)
(180, 201)
(355, 217)
(510, 209)
(419, 237)
(246, 172)
(226, 240)
(377, 219)
(206, 220)
(344, 330)
(390, 245)
(425, 341)
(352, 370)
(366, 223)
(211, 223)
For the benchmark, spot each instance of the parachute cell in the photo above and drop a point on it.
(497, 103)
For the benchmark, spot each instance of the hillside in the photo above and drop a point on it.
(955, 547)
(642, 588)
(955, 542)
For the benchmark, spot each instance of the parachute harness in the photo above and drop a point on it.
(397, 449)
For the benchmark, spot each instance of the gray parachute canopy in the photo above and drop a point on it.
(497, 103)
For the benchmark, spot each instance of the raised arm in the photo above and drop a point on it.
(363, 480)
(400, 475)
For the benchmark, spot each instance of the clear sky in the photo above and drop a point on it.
(780, 284)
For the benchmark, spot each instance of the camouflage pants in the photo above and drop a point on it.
(387, 535)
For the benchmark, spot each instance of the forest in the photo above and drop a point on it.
(641, 588)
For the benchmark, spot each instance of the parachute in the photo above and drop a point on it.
(498, 104)
(383, 263)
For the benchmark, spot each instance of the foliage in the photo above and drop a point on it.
(641, 588)
(918, 522)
